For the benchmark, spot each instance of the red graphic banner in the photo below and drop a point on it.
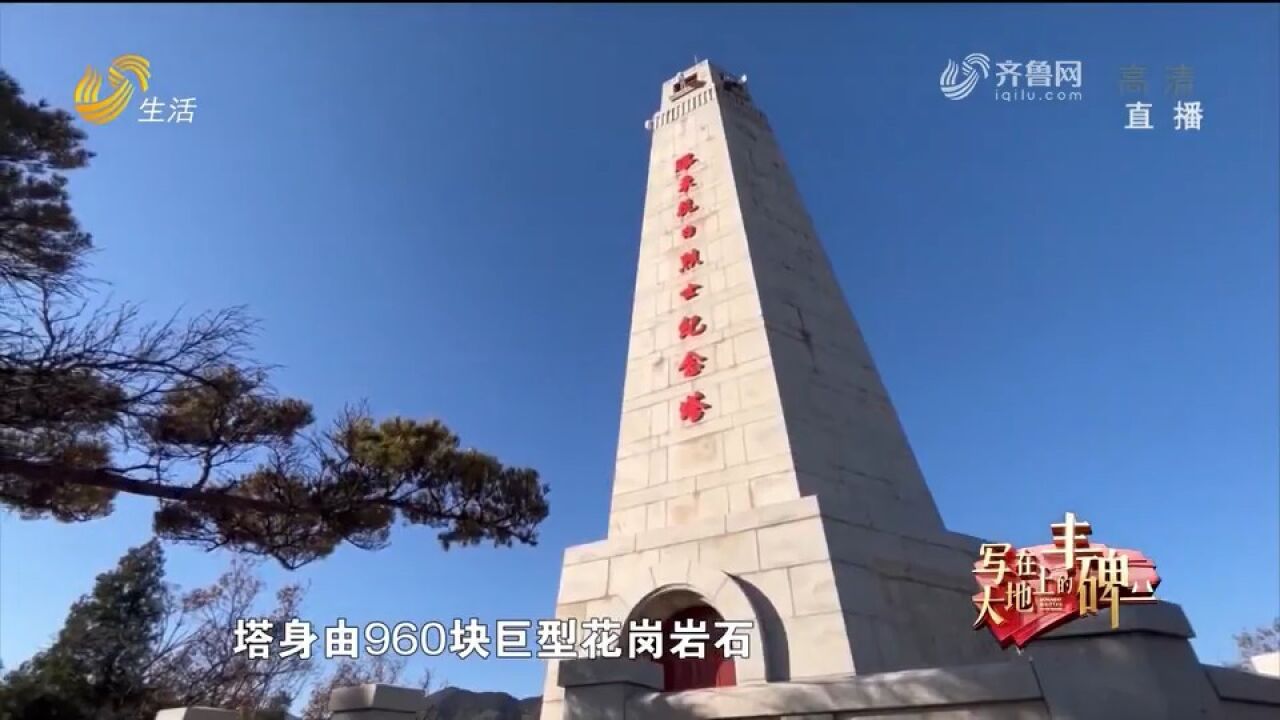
(1026, 592)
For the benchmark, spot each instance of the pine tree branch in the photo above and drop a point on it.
(106, 479)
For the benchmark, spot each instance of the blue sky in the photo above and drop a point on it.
(437, 210)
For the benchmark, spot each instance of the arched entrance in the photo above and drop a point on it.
(682, 609)
(689, 673)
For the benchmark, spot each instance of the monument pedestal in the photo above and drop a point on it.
(1145, 668)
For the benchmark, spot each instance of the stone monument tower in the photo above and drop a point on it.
(762, 473)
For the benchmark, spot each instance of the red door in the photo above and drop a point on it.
(713, 670)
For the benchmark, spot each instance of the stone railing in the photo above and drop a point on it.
(359, 702)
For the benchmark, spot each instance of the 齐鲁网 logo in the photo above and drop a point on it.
(956, 87)
(1032, 80)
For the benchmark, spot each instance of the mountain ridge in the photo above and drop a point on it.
(459, 704)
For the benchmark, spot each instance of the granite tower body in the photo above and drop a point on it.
(762, 471)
